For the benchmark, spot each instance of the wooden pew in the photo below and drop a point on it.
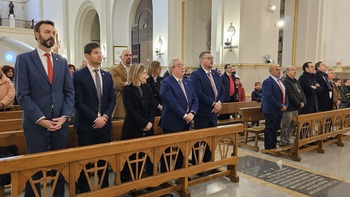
(11, 124)
(233, 108)
(314, 131)
(70, 162)
(11, 133)
(11, 115)
(248, 115)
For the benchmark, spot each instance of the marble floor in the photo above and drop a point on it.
(332, 166)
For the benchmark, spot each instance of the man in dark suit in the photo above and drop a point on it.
(180, 102)
(94, 102)
(210, 93)
(45, 92)
(310, 88)
(231, 91)
(274, 103)
(324, 95)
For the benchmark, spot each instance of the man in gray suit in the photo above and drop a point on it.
(45, 91)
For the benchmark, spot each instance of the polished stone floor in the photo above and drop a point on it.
(332, 167)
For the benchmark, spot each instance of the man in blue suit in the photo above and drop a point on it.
(180, 103)
(94, 102)
(274, 103)
(210, 93)
(45, 92)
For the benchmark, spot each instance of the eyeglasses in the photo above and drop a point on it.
(209, 58)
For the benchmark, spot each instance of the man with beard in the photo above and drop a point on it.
(211, 94)
(119, 73)
(45, 91)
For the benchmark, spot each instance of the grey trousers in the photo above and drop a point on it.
(287, 127)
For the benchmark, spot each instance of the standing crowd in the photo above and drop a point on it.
(50, 92)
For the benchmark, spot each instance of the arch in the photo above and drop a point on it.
(16, 45)
(87, 28)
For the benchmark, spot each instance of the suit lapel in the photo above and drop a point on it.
(37, 62)
(56, 68)
(177, 85)
(90, 79)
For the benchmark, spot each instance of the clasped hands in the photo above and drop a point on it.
(216, 108)
(100, 122)
(54, 124)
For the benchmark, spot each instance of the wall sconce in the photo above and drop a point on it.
(159, 48)
(268, 59)
(230, 32)
(271, 8)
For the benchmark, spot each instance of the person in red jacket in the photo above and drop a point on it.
(241, 91)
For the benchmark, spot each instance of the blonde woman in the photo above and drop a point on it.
(7, 92)
(140, 111)
(154, 80)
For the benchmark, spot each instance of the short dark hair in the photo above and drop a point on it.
(90, 46)
(226, 65)
(306, 65)
(71, 66)
(345, 80)
(257, 83)
(201, 55)
(38, 24)
(317, 65)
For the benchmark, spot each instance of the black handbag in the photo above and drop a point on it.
(7, 151)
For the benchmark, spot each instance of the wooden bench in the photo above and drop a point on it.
(70, 162)
(233, 108)
(11, 115)
(11, 124)
(11, 133)
(314, 131)
(249, 115)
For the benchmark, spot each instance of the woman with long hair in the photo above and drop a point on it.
(7, 92)
(139, 119)
(154, 80)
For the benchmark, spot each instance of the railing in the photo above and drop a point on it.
(70, 162)
(19, 23)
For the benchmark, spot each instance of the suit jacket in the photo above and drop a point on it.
(225, 79)
(204, 91)
(175, 103)
(307, 80)
(155, 86)
(324, 101)
(119, 76)
(139, 111)
(295, 93)
(272, 97)
(36, 95)
(86, 100)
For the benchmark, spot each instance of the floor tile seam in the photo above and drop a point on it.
(271, 185)
(299, 167)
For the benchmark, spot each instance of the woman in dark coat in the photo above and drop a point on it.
(154, 80)
(140, 112)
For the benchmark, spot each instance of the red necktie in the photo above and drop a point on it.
(283, 97)
(49, 68)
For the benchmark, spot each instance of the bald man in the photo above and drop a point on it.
(119, 73)
(274, 103)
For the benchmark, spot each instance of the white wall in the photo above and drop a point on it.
(197, 29)
(337, 40)
(258, 35)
